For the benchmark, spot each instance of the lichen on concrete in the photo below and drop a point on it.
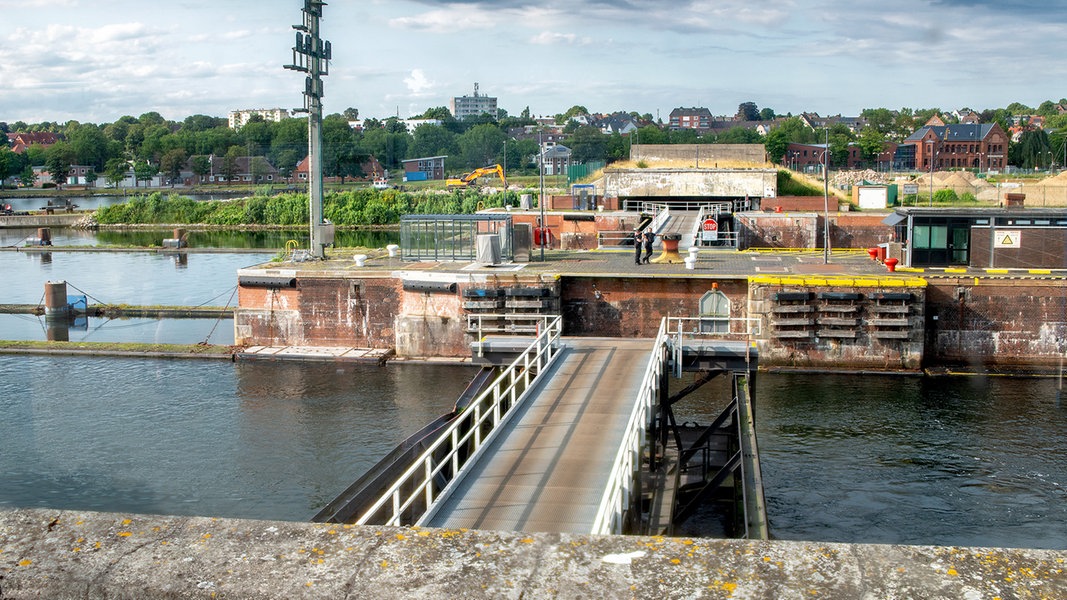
(62, 554)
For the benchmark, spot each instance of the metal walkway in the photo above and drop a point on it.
(551, 462)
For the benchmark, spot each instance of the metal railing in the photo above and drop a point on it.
(682, 328)
(413, 497)
(482, 323)
(617, 498)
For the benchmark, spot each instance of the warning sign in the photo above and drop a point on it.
(709, 230)
(1007, 238)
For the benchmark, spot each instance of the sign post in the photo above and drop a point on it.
(709, 230)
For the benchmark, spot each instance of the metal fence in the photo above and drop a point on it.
(452, 237)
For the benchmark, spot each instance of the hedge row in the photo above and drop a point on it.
(358, 207)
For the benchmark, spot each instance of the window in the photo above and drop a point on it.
(930, 236)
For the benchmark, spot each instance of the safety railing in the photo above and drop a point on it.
(617, 498)
(411, 498)
(740, 328)
(483, 323)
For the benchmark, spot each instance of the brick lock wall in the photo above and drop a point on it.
(996, 322)
(633, 308)
(320, 312)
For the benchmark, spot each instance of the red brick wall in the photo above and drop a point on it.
(1009, 322)
(613, 307)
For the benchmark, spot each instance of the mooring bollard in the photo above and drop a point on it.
(55, 300)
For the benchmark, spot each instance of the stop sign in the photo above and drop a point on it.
(710, 225)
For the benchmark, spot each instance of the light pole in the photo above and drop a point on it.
(931, 159)
(311, 55)
(541, 200)
(826, 198)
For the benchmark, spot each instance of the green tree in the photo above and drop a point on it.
(10, 163)
(739, 135)
(871, 142)
(115, 170)
(230, 163)
(881, 119)
(201, 167)
(90, 146)
(588, 144)
(1033, 150)
(341, 155)
(766, 114)
(481, 145)
(432, 140)
(144, 171)
(59, 158)
(172, 163)
(748, 111)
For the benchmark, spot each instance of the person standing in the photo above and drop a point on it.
(638, 239)
(649, 238)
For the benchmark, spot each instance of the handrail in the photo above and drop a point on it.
(751, 327)
(411, 498)
(662, 214)
(475, 322)
(616, 499)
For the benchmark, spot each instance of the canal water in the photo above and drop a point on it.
(880, 459)
(255, 439)
(945, 461)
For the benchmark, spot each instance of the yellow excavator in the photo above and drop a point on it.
(468, 179)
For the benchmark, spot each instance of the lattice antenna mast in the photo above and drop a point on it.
(311, 55)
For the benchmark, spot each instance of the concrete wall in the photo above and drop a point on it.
(805, 229)
(778, 230)
(691, 153)
(996, 322)
(64, 554)
(690, 183)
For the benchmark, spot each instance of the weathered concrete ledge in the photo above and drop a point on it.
(60, 554)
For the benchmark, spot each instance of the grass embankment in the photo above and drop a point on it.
(118, 349)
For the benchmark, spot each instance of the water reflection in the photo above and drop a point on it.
(253, 440)
(24, 327)
(273, 239)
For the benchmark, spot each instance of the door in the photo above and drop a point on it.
(960, 244)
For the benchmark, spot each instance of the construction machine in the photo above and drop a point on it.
(468, 179)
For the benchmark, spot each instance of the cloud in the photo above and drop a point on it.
(417, 83)
(551, 38)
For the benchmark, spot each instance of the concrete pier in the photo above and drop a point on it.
(61, 554)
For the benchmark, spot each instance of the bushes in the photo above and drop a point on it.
(356, 207)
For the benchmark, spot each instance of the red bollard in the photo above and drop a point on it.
(891, 264)
(873, 252)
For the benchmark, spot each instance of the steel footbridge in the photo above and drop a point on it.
(578, 435)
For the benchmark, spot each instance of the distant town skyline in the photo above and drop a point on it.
(64, 60)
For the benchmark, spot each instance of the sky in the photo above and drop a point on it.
(96, 61)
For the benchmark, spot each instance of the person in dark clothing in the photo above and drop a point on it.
(638, 238)
(649, 238)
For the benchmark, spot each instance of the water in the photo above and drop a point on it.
(269, 440)
(967, 461)
(134, 278)
(134, 330)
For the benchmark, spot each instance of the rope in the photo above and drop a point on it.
(88, 295)
(218, 320)
(233, 289)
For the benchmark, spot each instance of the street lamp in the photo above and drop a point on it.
(931, 159)
(541, 200)
(826, 198)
